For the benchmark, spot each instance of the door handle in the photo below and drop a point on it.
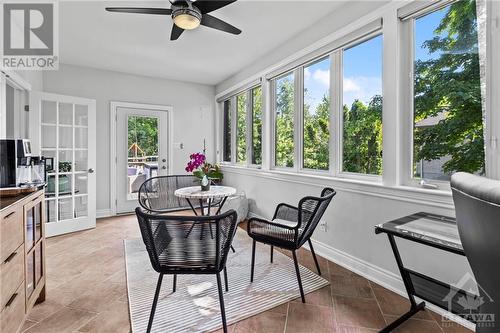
(91, 170)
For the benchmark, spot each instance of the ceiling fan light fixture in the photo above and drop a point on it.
(186, 18)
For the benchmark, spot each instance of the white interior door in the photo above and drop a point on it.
(141, 151)
(62, 129)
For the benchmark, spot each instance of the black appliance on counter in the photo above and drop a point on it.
(17, 166)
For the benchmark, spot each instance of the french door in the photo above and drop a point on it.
(62, 129)
(142, 151)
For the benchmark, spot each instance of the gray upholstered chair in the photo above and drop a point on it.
(477, 206)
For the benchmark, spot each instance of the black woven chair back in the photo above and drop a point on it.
(175, 247)
(311, 210)
(157, 193)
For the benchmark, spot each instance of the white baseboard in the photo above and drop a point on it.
(100, 213)
(382, 277)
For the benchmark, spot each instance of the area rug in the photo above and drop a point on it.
(194, 307)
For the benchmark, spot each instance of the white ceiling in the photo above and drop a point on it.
(140, 44)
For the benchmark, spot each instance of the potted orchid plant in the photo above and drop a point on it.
(204, 171)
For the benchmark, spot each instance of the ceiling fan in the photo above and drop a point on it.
(187, 15)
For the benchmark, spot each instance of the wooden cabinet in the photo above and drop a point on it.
(22, 255)
(34, 246)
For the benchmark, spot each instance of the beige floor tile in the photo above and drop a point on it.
(307, 318)
(361, 312)
(393, 304)
(415, 326)
(266, 322)
(321, 296)
(352, 286)
(114, 319)
(64, 320)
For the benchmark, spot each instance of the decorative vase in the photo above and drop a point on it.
(205, 184)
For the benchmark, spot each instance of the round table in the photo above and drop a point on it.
(215, 192)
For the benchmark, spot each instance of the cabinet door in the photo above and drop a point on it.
(30, 273)
(29, 228)
(38, 263)
(38, 213)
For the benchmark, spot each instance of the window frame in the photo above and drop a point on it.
(234, 127)
(272, 109)
(336, 113)
(340, 112)
(407, 95)
(245, 162)
(251, 123)
(223, 127)
(330, 170)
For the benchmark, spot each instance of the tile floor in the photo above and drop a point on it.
(86, 292)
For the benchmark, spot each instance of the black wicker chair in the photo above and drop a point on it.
(290, 228)
(156, 194)
(173, 249)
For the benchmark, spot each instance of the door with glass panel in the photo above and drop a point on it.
(63, 131)
(141, 151)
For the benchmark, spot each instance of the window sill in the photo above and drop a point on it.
(375, 187)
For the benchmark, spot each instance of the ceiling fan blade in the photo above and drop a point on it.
(207, 6)
(176, 32)
(215, 23)
(154, 11)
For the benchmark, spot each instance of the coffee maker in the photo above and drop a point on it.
(18, 168)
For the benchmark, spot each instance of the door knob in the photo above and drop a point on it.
(163, 160)
(163, 167)
(91, 170)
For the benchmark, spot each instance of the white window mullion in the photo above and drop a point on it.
(234, 121)
(392, 166)
(267, 127)
(298, 117)
(336, 113)
(249, 125)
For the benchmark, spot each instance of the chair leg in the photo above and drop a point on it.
(298, 276)
(155, 301)
(221, 302)
(175, 283)
(314, 256)
(272, 247)
(225, 279)
(253, 261)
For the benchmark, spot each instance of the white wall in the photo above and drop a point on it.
(193, 106)
(358, 206)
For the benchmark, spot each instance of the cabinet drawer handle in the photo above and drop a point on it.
(9, 215)
(9, 258)
(11, 299)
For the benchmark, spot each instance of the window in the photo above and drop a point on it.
(362, 107)
(241, 128)
(447, 114)
(226, 140)
(257, 125)
(316, 121)
(284, 121)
